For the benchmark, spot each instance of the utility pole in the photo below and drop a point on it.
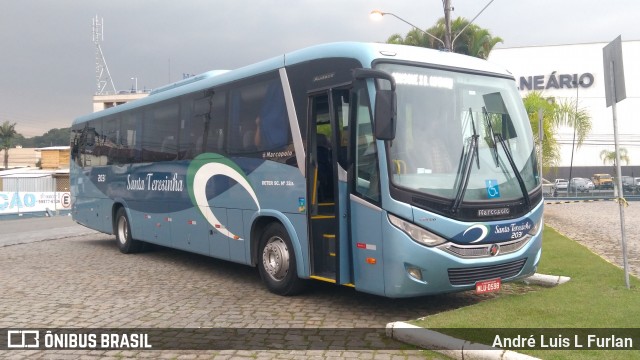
(447, 24)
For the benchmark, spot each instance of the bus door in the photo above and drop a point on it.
(365, 214)
(328, 111)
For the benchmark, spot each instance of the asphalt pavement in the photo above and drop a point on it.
(34, 229)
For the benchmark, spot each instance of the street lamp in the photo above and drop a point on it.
(575, 121)
(466, 26)
(136, 88)
(377, 15)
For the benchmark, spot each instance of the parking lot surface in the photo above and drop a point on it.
(596, 225)
(56, 274)
(85, 282)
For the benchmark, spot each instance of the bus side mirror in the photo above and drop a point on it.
(385, 115)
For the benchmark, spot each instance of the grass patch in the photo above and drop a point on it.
(596, 297)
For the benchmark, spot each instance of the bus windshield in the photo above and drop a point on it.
(460, 136)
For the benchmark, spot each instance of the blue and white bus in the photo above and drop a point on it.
(396, 170)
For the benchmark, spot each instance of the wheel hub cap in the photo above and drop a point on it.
(275, 258)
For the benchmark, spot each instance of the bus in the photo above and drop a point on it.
(395, 170)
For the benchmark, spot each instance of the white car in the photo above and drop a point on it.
(579, 184)
(590, 185)
(561, 184)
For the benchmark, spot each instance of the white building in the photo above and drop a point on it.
(102, 102)
(551, 70)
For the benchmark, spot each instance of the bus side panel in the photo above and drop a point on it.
(237, 251)
(136, 221)
(300, 240)
(343, 249)
(91, 209)
(82, 208)
(191, 232)
(103, 215)
(368, 264)
(218, 242)
(155, 227)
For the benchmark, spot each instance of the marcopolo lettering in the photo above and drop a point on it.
(556, 81)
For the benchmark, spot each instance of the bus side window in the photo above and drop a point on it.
(258, 119)
(272, 125)
(366, 156)
(129, 140)
(213, 140)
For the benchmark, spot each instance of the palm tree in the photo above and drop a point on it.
(609, 157)
(7, 133)
(555, 115)
(473, 41)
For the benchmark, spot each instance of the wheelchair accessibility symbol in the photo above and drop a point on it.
(493, 191)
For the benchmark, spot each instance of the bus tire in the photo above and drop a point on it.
(277, 262)
(126, 243)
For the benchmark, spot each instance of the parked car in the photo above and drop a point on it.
(602, 181)
(590, 185)
(628, 184)
(560, 184)
(578, 185)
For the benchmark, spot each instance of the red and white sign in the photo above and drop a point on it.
(488, 286)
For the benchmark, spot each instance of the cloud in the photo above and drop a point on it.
(48, 57)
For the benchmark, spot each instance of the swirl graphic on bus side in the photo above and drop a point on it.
(201, 170)
(484, 231)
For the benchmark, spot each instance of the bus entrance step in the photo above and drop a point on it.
(330, 244)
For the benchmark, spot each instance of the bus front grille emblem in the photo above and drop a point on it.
(494, 249)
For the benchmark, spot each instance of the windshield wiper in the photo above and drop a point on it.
(523, 187)
(462, 180)
(497, 138)
(487, 120)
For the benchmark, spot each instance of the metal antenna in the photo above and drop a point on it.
(103, 77)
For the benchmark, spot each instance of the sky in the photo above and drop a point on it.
(48, 58)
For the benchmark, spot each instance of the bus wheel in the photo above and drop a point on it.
(277, 262)
(126, 244)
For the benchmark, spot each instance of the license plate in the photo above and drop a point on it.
(488, 286)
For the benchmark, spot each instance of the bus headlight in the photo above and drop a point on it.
(417, 233)
(536, 226)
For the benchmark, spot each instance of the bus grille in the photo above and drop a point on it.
(469, 276)
(483, 250)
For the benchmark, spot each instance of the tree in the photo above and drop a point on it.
(555, 115)
(53, 137)
(609, 157)
(7, 133)
(473, 41)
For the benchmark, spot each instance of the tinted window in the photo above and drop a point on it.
(367, 175)
(88, 139)
(160, 132)
(129, 148)
(258, 119)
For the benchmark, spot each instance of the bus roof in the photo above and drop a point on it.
(366, 53)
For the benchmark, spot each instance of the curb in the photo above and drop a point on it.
(546, 280)
(447, 345)
(463, 349)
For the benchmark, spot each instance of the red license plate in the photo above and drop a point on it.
(488, 286)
